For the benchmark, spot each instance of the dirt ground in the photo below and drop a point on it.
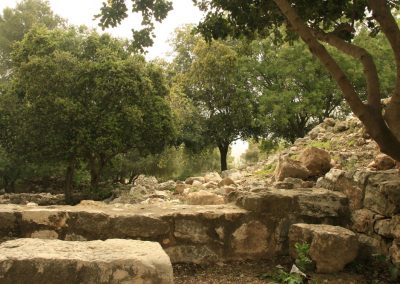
(249, 272)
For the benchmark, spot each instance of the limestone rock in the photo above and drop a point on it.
(250, 238)
(226, 181)
(363, 220)
(232, 174)
(317, 161)
(331, 247)
(110, 261)
(383, 196)
(180, 188)
(290, 168)
(203, 197)
(168, 185)
(190, 180)
(394, 253)
(338, 180)
(316, 202)
(384, 162)
(213, 176)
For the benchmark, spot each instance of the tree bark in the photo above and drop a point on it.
(223, 152)
(69, 179)
(369, 114)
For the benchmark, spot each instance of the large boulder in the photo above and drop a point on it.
(203, 197)
(317, 161)
(290, 168)
(111, 261)
(331, 247)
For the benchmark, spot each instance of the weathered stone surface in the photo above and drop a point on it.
(191, 230)
(383, 228)
(290, 168)
(213, 176)
(383, 197)
(304, 202)
(337, 180)
(38, 198)
(193, 254)
(226, 181)
(190, 180)
(363, 220)
(232, 174)
(251, 239)
(168, 185)
(371, 244)
(317, 161)
(394, 252)
(384, 162)
(331, 247)
(111, 261)
(203, 197)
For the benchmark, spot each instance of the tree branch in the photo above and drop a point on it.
(359, 53)
(326, 59)
(382, 14)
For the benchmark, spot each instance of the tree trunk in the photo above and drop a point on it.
(223, 152)
(96, 166)
(370, 114)
(69, 178)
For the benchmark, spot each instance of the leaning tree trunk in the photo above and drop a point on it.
(370, 114)
(223, 151)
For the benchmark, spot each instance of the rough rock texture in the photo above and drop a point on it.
(111, 261)
(383, 162)
(317, 161)
(203, 197)
(290, 168)
(338, 180)
(304, 202)
(331, 247)
(38, 198)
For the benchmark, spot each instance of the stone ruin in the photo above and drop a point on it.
(343, 214)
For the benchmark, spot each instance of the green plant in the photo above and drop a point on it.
(327, 145)
(268, 169)
(303, 261)
(282, 276)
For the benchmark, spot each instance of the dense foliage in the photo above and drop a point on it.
(84, 110)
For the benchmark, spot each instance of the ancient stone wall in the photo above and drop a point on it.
(256, 228)
(374, 198)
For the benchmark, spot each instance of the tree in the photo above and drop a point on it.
(225, 110)
(84, 97)
(16, 22)
(295, 92)
(328, 22)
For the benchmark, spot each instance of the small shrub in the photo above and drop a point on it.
(303, 261)
(326, 145)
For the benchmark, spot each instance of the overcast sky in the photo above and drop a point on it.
(80, 12)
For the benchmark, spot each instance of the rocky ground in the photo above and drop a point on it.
(336, 155)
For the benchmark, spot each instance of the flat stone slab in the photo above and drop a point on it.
(310, 202)
(111, 261)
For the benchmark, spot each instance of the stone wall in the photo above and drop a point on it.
(374, 198)
(257, 227)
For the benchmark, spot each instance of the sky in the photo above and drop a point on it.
(81, 12)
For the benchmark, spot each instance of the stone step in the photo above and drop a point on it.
(330, 247)
(188, 233)
(111, 261)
